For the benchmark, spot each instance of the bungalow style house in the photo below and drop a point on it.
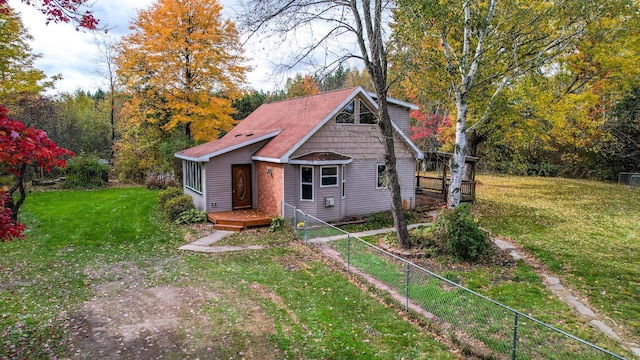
(321, 153)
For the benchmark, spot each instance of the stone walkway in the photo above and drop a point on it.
(564, 294)
(361, 234)
(204, 244)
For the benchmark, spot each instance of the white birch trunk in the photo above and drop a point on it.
(459, 154)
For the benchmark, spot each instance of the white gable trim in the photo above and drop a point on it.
(419, 155)
(367, 96)
(395, 101)
(285, 157)
(208, 157)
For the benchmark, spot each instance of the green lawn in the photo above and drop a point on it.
(586, 232)
(98, 273)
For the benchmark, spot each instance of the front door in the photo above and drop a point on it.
(241, 186)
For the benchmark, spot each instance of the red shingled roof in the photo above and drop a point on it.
(286, 122)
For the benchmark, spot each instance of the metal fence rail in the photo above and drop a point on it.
(628, 178)
(488, 326)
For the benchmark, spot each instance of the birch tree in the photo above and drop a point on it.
(363, 23)
(485, 47)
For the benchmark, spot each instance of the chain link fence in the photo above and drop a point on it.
(478, 324)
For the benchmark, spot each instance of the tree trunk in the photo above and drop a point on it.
(459, 154)
(399, 220)
(18, 185)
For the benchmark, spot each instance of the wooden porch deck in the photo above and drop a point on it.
(238, 220)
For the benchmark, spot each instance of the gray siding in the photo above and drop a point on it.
(407, 173)
(316, 207)
(363, 144)
(400, 116)
(291, 184)
(218, 178)
(362, 196)
(356, 141)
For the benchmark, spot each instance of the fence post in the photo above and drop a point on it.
(295, 221)
(348, 253)
(305, 227)
(515, 337)
(406, 305)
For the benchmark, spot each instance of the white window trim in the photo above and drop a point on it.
(330, 176)
(344, 181)
(378, 177)
(306, 183)
(193, 176)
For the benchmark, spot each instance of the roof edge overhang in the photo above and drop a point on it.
(207, 157)
(419, 155)
(320, 162)
(395, 101)
(267, 159)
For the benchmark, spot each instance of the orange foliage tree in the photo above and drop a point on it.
(182, 67)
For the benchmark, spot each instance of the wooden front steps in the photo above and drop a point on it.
(238, 220)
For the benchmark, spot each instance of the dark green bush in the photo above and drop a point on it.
(463, 237)
(176, 206)
(277, 223)
(85, 172)
(192, 216)
(168, 194)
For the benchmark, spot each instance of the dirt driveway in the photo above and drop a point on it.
(129, 320)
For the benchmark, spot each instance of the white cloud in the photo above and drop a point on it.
(74, 54)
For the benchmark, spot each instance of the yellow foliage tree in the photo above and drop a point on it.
(182, 67)
(301, 86)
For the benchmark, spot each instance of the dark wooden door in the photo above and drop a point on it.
(241, 186)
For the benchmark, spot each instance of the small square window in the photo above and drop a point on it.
(329, 176)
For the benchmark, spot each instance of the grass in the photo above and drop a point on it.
(518, 287)
(102, 259)
(586, 232)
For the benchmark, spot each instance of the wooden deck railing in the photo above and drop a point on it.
(441, 186)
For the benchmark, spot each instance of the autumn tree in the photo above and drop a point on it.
(183, 61)
(73, 11)
(363, 23)
(478, 49)
(301, 86)
(21, 147)
(18, 76)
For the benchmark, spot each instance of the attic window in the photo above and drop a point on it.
(347, 115)
(356, 112)
(236, 135)
(249, 134)
(366, 115)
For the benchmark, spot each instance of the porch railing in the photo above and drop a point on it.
(440, 185)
